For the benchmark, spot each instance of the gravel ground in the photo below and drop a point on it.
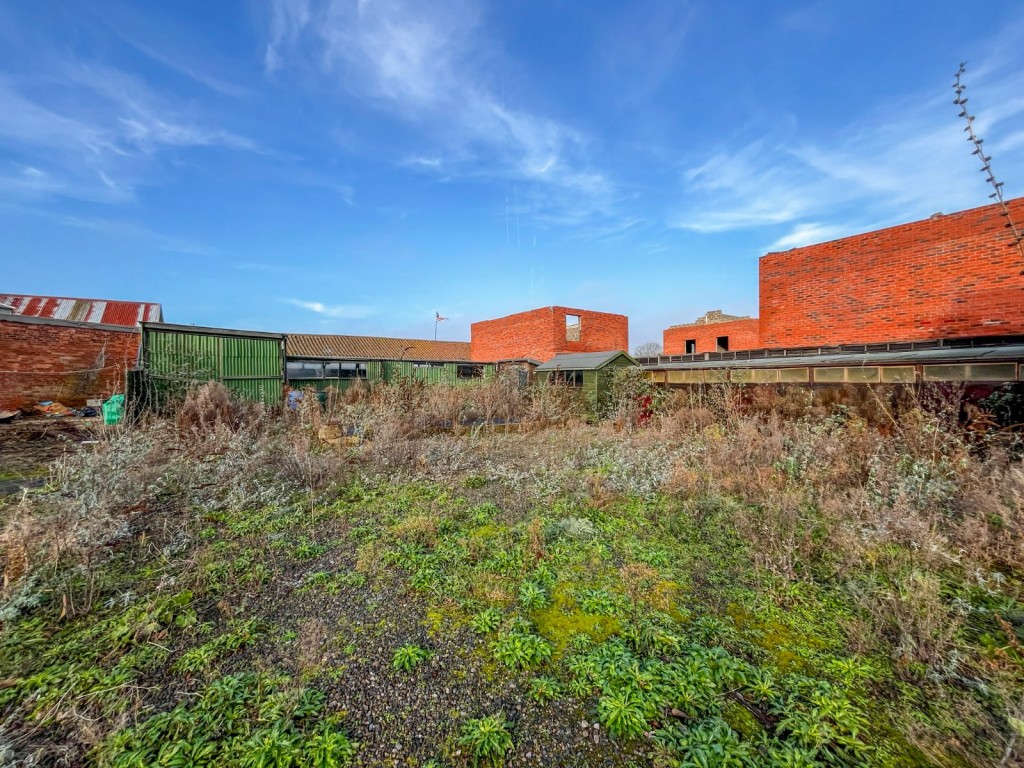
(344, 645)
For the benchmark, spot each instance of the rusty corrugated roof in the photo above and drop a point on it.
(105, 311)
(318, 345)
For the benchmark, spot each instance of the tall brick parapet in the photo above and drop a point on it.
(63, 361)
(541, 334)
(742, 333)
(949, 276)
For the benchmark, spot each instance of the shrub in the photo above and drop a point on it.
(622, 713)
(533, 596)
(486, 621)
(487, 739)
(544, 689)
(520, 649)
(408, 657)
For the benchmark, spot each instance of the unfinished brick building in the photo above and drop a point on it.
(950, 276)
(540, 334)
(714, 332)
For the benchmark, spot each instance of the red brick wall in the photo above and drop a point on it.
(949, 276)
(743, 334)
(540, 334)
(45, 361)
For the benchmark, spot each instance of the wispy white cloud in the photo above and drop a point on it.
(287, 19)
(93, 132)
(431, 64)
(116, 228)
(337, 311)
(806, 234)
(907, 160)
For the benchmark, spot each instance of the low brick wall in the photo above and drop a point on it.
(62, 361)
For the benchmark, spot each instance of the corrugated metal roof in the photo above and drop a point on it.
(204, 330)
(581, 361)
(318, 345)
(103, 311)
(1002, 353)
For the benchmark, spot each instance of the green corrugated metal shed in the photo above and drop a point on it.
(249, 363)
(591, 371)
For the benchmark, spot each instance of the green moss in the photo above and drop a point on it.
(562, 620)
(740, 720)
(444, 619)
(789, 647)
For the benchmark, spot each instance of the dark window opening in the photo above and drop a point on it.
(568, 378)
(470, 372)
(572, 328)
(305, 369)
(691, 346)
(345, 370)
(722, 344)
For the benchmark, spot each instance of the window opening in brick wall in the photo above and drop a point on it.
(572, 327)
(722, 344)
(691, 346)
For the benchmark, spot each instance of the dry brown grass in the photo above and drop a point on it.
(209, 410)
(894, 485)
(417, 529)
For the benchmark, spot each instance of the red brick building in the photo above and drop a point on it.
(953, 275)
(62, 360)
(949, 276)
(714, 332)
(540, 334)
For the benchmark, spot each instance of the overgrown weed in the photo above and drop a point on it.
(757, 576)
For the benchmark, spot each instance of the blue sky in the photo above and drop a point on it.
(351, 167)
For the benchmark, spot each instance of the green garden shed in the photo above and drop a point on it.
(590, 371)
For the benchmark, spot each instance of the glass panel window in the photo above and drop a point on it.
(568, 378)
(305, 369)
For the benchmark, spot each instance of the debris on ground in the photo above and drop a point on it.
(54, 409)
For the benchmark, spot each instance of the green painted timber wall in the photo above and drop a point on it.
(390, 370)
(599, 388)
(250, 366)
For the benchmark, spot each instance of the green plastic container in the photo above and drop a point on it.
(113, 409)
